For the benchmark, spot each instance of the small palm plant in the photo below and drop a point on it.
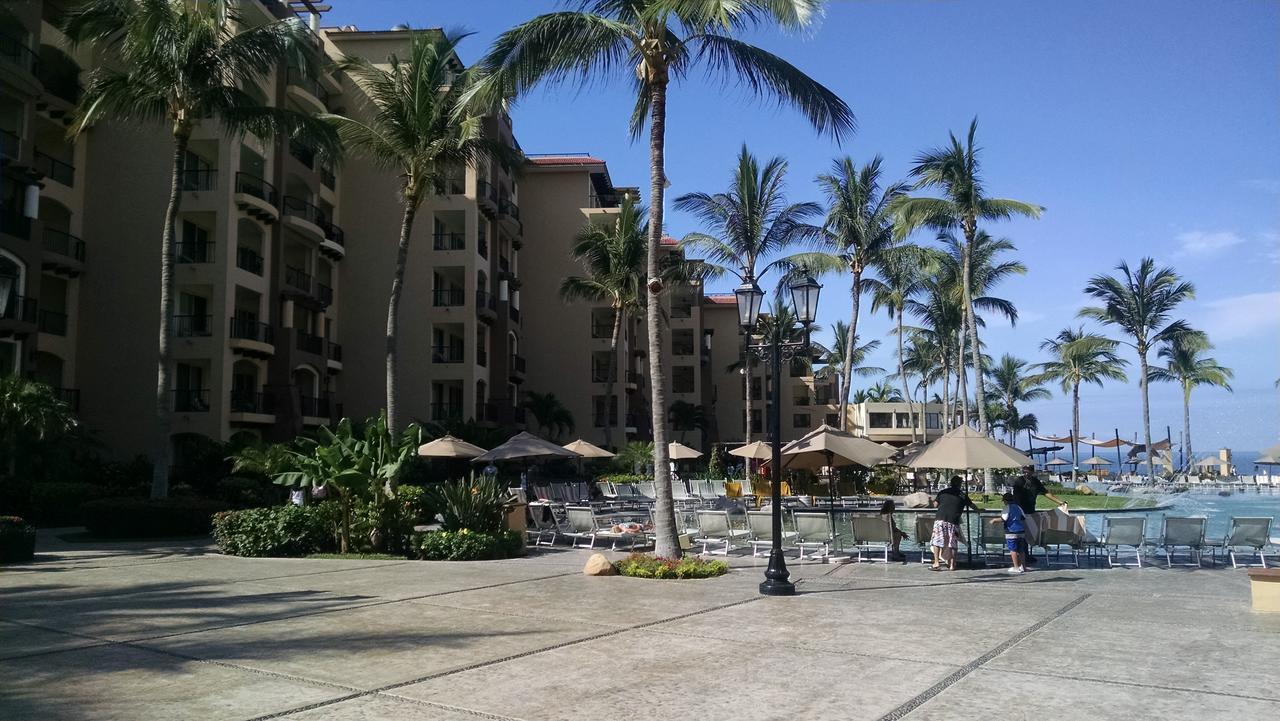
(549, 413)
(1187, 365)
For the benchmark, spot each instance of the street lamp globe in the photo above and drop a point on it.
(749, 297)
(804, 294)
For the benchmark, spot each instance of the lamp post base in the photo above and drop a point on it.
(776, 577)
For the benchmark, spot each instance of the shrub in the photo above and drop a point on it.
(275, 531)
(476, 505)
(146, 518)
(625, 478)
(467, 545)
(640, 565)
(58, 504)
(17, 540)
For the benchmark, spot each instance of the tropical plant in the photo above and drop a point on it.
(31, 415)
(633, 457)
(839, 357)
(185, 64)
(1079, 357)
(418, 127)
(955, 171)
(902, 270)
(923, 359)
(686, 416)
(881, 392)
(1011, 384)
(1140, 303)
(1187, 365)
(650, 42)
(549, 413)
(752, 220)
(939, 315)
(477, 504)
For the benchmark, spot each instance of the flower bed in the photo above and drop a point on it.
(640, 565)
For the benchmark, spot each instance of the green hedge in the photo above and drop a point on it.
(17, 540)
(60, 504)
(287, 530)
(466, 545)
(640, 565)
(146, 518)
(626, 478)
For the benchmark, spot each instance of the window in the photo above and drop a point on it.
(933, 421)
(682, 379)
(881, 420)
(833, 420)
(682, 342)
(902, 420)
(194, 245)
(601, 372)
(799, 368)
(800, 420)
(598, 410)
(800, 395)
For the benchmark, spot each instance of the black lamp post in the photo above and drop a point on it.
(775, 351)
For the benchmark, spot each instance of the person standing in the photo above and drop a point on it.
(951, 503)
(1015, 534)
(1026, 489)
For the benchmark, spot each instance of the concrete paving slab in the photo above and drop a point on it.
(1176, 610)
(631, 676)
(112, 683)
(390, 580)
(384, 708)
(21, 640)
(986, 694)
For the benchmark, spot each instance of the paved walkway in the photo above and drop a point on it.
(136, 632)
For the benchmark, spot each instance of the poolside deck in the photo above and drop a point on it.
(144, 631)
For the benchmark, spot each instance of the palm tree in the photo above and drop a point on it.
(1080, 357)
(955, 170)
(30, 413)
(648, 43)
(838, 359)
(940, 315)
(1011, 385)
(856, 236)
(418, 127)
(882, 392)
(902, 271)
(1140, 303)
(185, 64)
(614, 257)
(753, 220)
(923, 358)
(1187, 365)
(686, 416)
(549, 413)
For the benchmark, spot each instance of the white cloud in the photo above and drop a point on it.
(1204, 244)
(1271, 240)
(1266, 185)
(1239, 316)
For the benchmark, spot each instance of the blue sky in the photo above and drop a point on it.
(1144, 127)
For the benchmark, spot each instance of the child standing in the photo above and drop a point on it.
(1015, 534)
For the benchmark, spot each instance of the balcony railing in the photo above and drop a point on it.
(518, 364)
(302, 153)
(13, 222)
(633, 377)
(10, 144)
(309, 343)
(602, 374)
(191, 400)
(446, 411)
(313, 407)
(485, 191)
(602, 330)
(251, 329)
(324, 293)
(450, 241)
(327, 177)
(513, 313)
(448, 297)
(335, 352)
(334, 233)
(504, 265)
(248, 259)
(201, 179)
(192, 326)
(20, 308)
(70, 396)
(300, 208)
(482, 246)
(59, 171)
(509, 209)
(296, 77)
(53, 322)
(297, 278)
(482, 357)
(257, 187)
(681, 310)
(446, 354)
(682, 349)
(17, 52)
(63, 243)
(249, 401)
(193, 251)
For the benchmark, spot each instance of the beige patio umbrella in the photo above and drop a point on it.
(1095, 461)
(758, 450)
(587, 450)
(681, 452)
(449, 447)
(966, 448)
(827, 446)
(1272, 452)
(1057, 462)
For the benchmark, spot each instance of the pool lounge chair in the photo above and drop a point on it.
(545, 527)
(1122, 532)
(813, 530)
(924, 535)
(1182, 532)
(1251, 533)
(871, 533)
(585, 528)
(760, 524)
(714, 528)
(991, 535)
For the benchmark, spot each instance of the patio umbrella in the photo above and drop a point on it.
(1272, 452)
(966, 448)
(587, 450)
(681, 452)
(1095, 461)
(831, 447)
(524, 446)
(449, 447)
(1057, 462)
(758, 450)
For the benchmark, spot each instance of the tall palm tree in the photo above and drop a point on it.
(839, 359)
(1079, 357)
(857, 234)
(648, 43)
(882, 392)
(902, 270)
(185, 65)
(940, 317)
(686, 416)
(752, 220)
(614, 258)
(549, 413)
(1011, 385)
(1187, 365)
(955, 170)
(923, 358)
(416, 126)
(30, 413)
(1140, 302)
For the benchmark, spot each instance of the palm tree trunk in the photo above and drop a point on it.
(665, 543)
(1075, 430)
(962, 385)
(612, 377)
(393, 310)
(979, 391)
(850, 348)
(902, 375)
(1146, 413)
(946, 393)
(1186, 421)
(162, 453)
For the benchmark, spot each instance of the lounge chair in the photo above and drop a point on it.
(1183, 532)
(813, 530)
(607, 490)
(584, 526)
(1252, 533)
(646, 492)
(1123, 531)
(991, 535)
(545, 528)
(760, 524)
(871, 533)
(924, 535)
(1056, 539)
(679, 492)
(714, 529)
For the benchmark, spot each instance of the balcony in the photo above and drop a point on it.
(482, 357)
(486, 198)
(307, 89)
(193, 251)
(450, 241)
(21, 309)
(486, 306)
(324, 293)
(257, 198)
(64, 252)
(297, 278)
(334, 244)
(302, 154)
(249, 260)
(446, 354)
(632, 380)
(482, 246)
(334, 359)
(251, 337)
(682, 349)
(446, 411)
(14, 223)
(10, 145)
(308, 343)
(70, 396)
(327, 177)
(199, 180)
(305, 217)
(191, 400)
(517, 369)
(509, 212)
(245, 403)
(16, 52)
(56, 170)
(448, 297)
(514, 314)
(602, 374)
(192, 326)
(53, 323)
(313, 407)
(602, 330)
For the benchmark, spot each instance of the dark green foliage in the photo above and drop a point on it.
(59, 504)
(287, 530)
(466, 545)
(640, 565)
(625, 478)
(17, 540)
(150, 518)
(476, 505)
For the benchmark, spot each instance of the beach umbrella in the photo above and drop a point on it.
(1057, 462)
(1095, 461)
(827, 446)
(525, 446)
(681, 452)
(966, 448)
(1272, 452)
(1265, 461)
(758, 450)
(587, 450)
(449, 447)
